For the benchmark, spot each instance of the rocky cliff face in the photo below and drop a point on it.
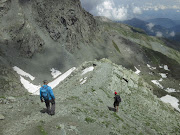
(67, 23)
(24, 22)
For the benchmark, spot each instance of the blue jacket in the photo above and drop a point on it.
(49, 90)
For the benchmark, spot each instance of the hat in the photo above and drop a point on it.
(45, 81)
(115, 92)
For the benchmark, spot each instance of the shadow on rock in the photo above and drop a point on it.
(44, 110)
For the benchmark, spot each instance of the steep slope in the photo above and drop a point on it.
(36, 39)
(82, 108)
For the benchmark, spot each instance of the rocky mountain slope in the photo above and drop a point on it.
(82, 108)
(36, 39)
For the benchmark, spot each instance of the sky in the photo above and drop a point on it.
(126, 9)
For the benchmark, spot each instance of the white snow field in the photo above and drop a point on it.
(150, 67)
(22, 73)
(166, 68)
(89, 69)
(34, 89)
(163, 75)
(83, 80)
(172, 100)
(55, 73)
(170, 90)
(56, 82)
(137, 71)
(157, 83)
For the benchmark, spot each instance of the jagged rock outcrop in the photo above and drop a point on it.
(67, 23)
(16, 31)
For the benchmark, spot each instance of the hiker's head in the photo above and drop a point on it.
(45, 82)
(115, 92)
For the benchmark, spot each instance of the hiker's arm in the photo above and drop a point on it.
(40, 95)
(51, 93)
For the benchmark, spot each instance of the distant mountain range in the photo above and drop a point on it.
(165, 22)
(160, 27)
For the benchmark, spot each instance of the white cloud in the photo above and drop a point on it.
(137, 10)
(122, 10)
(109, 9)
(172, 34)
(159, 34)
(147, 7)
(150, 26)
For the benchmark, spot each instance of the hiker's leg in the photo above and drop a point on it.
(52, 107)
(117, 109)
(47, 106)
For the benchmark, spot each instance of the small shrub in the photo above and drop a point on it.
(89, 120)
(42, 131)
(115, 46)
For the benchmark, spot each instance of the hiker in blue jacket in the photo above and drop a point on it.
(47, 96)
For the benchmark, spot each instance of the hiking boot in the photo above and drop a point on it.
(52, 113)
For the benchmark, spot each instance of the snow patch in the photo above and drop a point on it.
(33, 89)
(166, 68)
(170, 90)
(160, 66)
(56, 82)
(151, 68)
(137, 71)
(157, 83)
(89, 69)
(163, 75)
(172, 100)
(150, 73)
(55, 73)
(82, 81)
(22, 73)
(160, 80)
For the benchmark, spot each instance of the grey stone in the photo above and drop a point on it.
(10, 107)
(11, 99)
(2, 117)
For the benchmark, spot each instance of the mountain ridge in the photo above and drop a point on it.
(38, 39)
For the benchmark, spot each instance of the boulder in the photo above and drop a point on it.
(11, 99)
(2, 117)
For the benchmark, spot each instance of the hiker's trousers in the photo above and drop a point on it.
(50, 108)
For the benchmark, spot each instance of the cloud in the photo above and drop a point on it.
(159, 34)
(126, 9)
(137, 10)
(148, 6)
(90, 5)
(109, 9)
(150, 26)
(172, 34)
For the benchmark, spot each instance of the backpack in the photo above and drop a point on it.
(44, 93)
(118, 98)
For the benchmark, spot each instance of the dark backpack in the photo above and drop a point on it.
(44, 93)
(118, 98)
